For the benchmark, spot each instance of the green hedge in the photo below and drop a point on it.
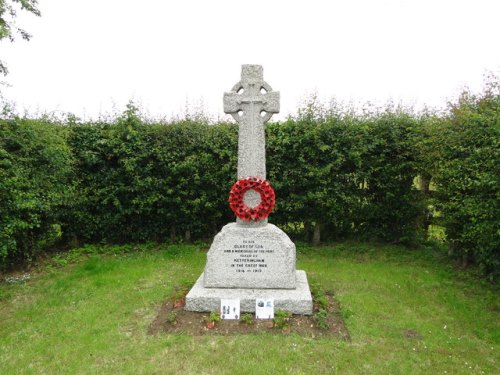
(468, 179)
(137, 182)
(35, 164)
(347, 177)
(336, 175)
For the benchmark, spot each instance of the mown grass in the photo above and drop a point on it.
(407, 313)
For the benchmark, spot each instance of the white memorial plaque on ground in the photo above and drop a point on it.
(264, 308)
(230, 309)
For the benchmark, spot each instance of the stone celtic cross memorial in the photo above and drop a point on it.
(251, 258)
(251, 102)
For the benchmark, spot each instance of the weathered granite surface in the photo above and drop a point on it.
(243, 256)
(251, 102)
(297, 301)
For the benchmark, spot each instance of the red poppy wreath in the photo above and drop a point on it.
(263, 209)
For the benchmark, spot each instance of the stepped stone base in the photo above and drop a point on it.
(297, 301)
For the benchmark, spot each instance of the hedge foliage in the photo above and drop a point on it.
(351, 177)
(137, 182)
(337, 174)
(35, 166)
(468, 178)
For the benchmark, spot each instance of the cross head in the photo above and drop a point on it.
(252, 98)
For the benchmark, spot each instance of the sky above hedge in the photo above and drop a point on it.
(91, 57)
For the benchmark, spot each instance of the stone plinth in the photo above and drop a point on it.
(251, 256)
(297, 301)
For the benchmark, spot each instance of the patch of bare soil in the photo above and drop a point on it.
(412, 334)
(173, 320)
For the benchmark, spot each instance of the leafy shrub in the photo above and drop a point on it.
(281, 319)
(320, 319)
(214, 317)
(391, 207)
(172, 318)
(347, 176)
(319, 296)
(140, 182)
(247, 318)
(468, 178)
(35, 165)
(312, 166)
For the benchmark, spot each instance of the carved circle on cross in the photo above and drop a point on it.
(240, 89)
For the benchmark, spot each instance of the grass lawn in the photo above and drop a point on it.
(407, 313)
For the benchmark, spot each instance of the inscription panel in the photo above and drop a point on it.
(249, 256)
(242, 257)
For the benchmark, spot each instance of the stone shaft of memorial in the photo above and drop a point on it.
(251, 102)
(251, 142)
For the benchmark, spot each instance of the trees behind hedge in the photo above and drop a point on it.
(8, 27)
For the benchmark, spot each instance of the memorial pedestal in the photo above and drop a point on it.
(248, 263)
(245, 256)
